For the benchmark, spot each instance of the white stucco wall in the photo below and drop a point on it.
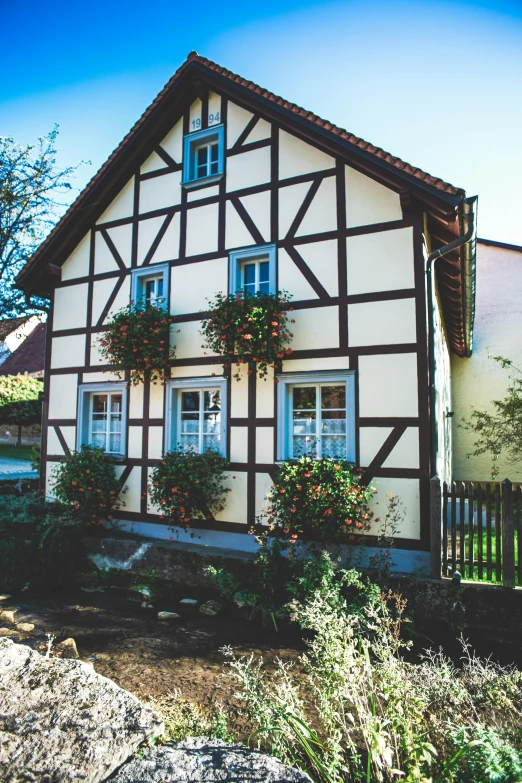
(478, 380)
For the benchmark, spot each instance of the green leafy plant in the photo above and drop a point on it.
(41, 543)
(184, 719)
(137, 340)
(499, 430)
(36, 457)
(86, 481)
(19, 401)
(356, 710)
(249, 329)
(187, 486)
(489, 757)
(225, 582)
(318, 499)
(32, 198)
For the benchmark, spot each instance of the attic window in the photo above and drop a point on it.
(204, 157)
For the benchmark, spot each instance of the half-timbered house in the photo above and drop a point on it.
(221, 185)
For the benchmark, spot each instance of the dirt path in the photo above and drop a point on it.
(145, 656)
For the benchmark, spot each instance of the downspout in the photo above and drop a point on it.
(468, 222)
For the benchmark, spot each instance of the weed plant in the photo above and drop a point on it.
(362, 712)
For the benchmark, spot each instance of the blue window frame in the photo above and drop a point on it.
(151, 284)
(316, 415)
(253, 270)
(196, 414)
(204, 156)
(102, 417)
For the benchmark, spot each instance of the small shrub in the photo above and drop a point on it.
(187, 486)
(36, 457)
(248, 329)
(358, 710)
(184, 719)
(318, 499)
(137, 340)
(41, 543)
(225, 583)
(86, 481)
(489, 757)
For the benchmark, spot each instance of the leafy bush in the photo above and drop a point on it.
(86, 480)
(489, 758)
(184, 719)
(41, 543)
(187, 486)
(137, 340)
(19, 401)
(358, 710)
(318, 499)
(249, 329)
(36, 457)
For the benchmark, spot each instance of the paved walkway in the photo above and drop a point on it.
(16, 468)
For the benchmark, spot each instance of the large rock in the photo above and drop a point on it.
(203, 760)
(60, 721)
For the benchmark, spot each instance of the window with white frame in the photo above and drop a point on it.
(204, 156)
(253, 271)
(196, 415)
(316, 414)
(102, 417)
(150, 284)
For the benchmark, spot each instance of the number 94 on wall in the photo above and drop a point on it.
(213, 119)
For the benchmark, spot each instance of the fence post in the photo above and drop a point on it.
(508, 536)
(435, 528)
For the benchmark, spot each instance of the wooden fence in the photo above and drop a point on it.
(476, 529)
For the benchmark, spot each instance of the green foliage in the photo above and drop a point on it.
(500, 431)
(248, 329)
(36, 457)
(86, 481)
(137, 340)
(318, 499)
(30, 188)
(489, 759)
(187, 486)
(357, 710)
(19, 403)
(184, 719)
(41, 543)
(225, 582)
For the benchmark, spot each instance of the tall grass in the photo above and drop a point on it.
(359, 711)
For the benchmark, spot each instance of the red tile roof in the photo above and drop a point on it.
(406, 168)
(29, 357)
(9, 325)
(414, 171)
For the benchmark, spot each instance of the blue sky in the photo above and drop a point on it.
(436, 83)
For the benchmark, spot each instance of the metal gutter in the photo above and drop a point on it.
(467, 242)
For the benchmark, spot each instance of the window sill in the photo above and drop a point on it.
(192, 184)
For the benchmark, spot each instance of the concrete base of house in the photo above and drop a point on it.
(244, 546)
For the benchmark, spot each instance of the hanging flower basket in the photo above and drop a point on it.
(188, 487)
(137, 340)
(249, 329)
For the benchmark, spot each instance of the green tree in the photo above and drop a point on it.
(31, 199)
(19, 401)
(499, 430)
